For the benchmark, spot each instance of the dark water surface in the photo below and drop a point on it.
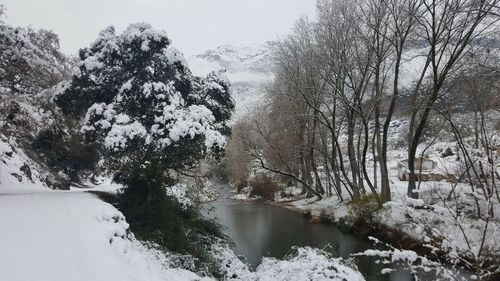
(261, 229)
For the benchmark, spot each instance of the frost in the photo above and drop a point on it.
(307, 264)
(387, 270)
(193, 121)
(146, 32)
(415, 203)
(145, 45)
(12, 180)
(214, 138)
(214, 86)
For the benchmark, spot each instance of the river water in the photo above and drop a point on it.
(260, 229)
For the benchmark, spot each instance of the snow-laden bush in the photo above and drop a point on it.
(307, 263)
(65, 151)
(301, 264)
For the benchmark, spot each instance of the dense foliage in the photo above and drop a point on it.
(30, 64)
(66, 152)
(142, 103)
(165, 222)
(30, 60)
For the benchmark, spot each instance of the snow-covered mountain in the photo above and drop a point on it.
(248, 67)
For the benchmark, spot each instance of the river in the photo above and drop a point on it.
(260, 229)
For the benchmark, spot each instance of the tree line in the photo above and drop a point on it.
(342, 78)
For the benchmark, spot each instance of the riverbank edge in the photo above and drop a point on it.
(367, 220)
(368, 228)
(363, 228)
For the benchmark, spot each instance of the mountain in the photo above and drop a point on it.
(248, 67)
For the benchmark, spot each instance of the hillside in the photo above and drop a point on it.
(248, 68)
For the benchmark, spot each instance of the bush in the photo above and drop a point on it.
(325, 218)
(66, 152)
(362, 210)
(264, 187)
(154, 216)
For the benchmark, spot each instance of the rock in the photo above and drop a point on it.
(27, 171)
(307, 215)
(447, 152)
(57, 184)
(18, 177)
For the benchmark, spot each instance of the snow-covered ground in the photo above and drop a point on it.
(446, 211)
(424, 220)
(64, 235)
(50, 235)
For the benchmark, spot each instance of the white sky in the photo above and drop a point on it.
(193, 25)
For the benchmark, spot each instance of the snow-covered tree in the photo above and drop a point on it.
(30, 60)
(140, 101)
(30, 64)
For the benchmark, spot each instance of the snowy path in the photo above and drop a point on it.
(72, 236)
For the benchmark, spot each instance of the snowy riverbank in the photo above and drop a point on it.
(429, 226)
(56, 235)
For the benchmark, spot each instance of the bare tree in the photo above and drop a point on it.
(448, 28)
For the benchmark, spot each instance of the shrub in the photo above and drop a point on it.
(264, 187)
(66, 152)
(154, 216)
(362, 210)
(325, 218)
(240, 186)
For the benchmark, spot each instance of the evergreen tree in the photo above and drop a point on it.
(139, 100)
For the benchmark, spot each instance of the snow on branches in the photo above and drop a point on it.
(137, 94)
(30, 60)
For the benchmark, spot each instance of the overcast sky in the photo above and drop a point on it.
(193, 25)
